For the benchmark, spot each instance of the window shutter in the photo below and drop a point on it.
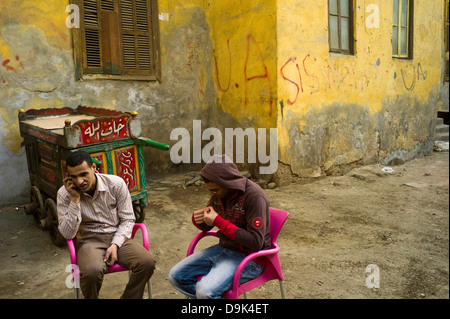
(92, 35)
(136, 49)
(107, 5)
(118, 40)
(110, 39)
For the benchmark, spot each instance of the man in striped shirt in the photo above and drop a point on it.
(97, 208)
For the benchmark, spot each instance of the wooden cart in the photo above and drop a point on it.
(112, 138)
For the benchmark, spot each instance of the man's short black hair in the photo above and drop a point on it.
(78, 157)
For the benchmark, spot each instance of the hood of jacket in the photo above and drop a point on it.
(222, 171)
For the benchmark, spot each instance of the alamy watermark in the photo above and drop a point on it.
(73, 280)
(373, 276)
(73, 20)
(372, 279)
(181, 151)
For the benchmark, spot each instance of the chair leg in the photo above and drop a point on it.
(283, 295)
(77, 293)
(150, 291)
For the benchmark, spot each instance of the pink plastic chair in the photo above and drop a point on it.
(269, 258)
(114, 268)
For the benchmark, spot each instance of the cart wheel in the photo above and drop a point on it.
(37, 204)
(52, 223)
(139, 212)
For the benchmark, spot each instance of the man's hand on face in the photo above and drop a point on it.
(209, 215)
(72, 189)
(111, 255)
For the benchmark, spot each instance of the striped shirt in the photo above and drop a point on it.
(110, 210)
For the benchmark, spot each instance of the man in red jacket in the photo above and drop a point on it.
(239, 208)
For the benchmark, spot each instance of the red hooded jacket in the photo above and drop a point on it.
(243, 214)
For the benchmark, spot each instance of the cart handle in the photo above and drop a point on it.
(148, 142)
(97, 163)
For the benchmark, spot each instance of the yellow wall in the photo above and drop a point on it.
(313, 81)
(48, 16)
(23, 17)
(244, 56)
(262, 63)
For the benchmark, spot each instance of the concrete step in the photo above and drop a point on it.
(442, 132)
(442, 128)
(442, 138)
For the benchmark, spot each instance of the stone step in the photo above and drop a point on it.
(443, 138)
(442, 128)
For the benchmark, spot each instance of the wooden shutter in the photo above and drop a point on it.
(135, 17)
(118, 39)
(92, 48)
(110, 39)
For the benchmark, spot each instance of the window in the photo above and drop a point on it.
(340, 22)
(402, 29)
(117, 39)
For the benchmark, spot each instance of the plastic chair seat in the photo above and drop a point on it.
(269, 258)
(114, 268)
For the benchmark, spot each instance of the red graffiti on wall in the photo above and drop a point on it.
(18, 60)
(290, 102)
(254, 56)
(321, 76)
(265, 76)
(192, 57)
(8, 67)
(217, 69)
(317, 87)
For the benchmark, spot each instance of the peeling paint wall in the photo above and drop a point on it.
(337, 110)
(38, 71)
(229, 63)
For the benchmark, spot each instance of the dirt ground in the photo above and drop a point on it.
(338, 226)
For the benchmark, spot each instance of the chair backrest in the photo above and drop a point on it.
(277, 219)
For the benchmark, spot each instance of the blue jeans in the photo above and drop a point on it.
(217, 265)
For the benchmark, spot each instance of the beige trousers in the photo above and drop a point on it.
(132, 255)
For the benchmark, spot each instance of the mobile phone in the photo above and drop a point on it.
(74, 186)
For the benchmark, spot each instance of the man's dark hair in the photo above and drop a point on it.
(77, 158)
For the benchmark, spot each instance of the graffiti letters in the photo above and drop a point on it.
(297, 87)
(411, 75)
(314, 76)
(254, 73)
(217, 69)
